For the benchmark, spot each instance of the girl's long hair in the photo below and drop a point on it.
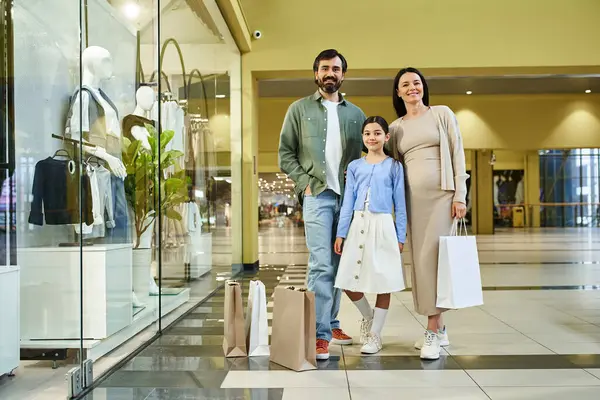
(392, 151)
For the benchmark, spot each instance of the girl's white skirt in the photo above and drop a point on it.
(371, 260)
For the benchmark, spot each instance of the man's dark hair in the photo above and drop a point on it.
(329, 55)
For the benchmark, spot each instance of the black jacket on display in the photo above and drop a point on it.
(56, 193)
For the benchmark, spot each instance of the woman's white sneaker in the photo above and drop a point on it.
(372, 344)
(431, 346)
(443, 336)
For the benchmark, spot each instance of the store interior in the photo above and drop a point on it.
(124, 124)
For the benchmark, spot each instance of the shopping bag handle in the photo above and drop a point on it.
(458, 227)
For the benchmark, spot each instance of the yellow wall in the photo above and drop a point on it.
(388, 34)
(513, 123)
(510, 160)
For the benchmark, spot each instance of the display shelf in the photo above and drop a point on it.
(9, 319)
(52, 292)
(94, 349)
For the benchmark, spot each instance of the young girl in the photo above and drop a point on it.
(371, 261)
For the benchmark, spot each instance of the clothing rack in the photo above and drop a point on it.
(73, 141)
(166, 96)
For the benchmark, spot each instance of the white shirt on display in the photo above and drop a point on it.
(333, 147)
(172, 119)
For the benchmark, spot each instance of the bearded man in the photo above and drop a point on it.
(321, 135)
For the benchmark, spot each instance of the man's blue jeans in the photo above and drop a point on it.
(321, 215)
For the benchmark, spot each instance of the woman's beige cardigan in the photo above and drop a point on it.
(452, 153)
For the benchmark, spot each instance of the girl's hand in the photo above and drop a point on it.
(337, 247)
(401, 247)
(459, 210)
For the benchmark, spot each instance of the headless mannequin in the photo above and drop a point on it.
(97, 67)
(145, 99)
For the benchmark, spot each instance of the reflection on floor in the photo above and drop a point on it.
(36, 380)
(536, 337)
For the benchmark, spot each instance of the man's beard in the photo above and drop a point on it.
(329, 87)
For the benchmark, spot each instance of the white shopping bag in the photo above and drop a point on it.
(257, 326)
(459, 278)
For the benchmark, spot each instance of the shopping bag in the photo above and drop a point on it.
(459, 277)
(257, 325)
(294, 334)
(234, 340)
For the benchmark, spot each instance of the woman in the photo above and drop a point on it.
(429, 141)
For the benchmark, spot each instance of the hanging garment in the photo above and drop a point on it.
(132, 120)
(102, 203)
(56, 194)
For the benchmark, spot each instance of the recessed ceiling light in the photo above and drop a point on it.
(588, 91)
(131, 10)
(469, 92)
(220, 96)
(343, 94)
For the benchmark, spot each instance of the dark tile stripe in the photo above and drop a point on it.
(213, 394)
(398, 363)
(166, 379)
(551, 361)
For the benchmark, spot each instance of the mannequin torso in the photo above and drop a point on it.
(94, 117)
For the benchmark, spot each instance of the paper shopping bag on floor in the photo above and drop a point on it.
(257, 325)
(234, 341)
(459, 278)
(294, 335)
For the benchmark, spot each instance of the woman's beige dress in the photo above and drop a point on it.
(429, 207)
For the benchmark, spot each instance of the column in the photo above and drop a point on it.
(249, 182)
(483, 197)
(532, 189)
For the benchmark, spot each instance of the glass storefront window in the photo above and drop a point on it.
(121, 136)
(569, 188)
(278, 205)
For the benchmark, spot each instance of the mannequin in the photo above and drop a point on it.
(99, 124)
(134, 129)
(93, 118)
(134, 124)
(97, 68)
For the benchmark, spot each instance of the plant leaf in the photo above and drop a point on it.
(172, 214)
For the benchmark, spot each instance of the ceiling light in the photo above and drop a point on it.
(131, 10)
(220, 96)
(588, 91)
(343, 94)
(469, 92)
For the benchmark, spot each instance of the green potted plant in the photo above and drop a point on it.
(142, 188)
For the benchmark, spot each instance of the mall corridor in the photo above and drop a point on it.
(536, 337)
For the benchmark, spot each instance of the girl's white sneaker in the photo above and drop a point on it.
(365, 328)
(372, 344)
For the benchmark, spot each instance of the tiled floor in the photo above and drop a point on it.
(536, 337)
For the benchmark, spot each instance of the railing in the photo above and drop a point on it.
(561, 215)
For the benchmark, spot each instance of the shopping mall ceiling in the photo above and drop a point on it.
(188, 21)
(531, 84)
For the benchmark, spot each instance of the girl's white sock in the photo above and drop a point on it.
(364, 308)
(378, 320)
